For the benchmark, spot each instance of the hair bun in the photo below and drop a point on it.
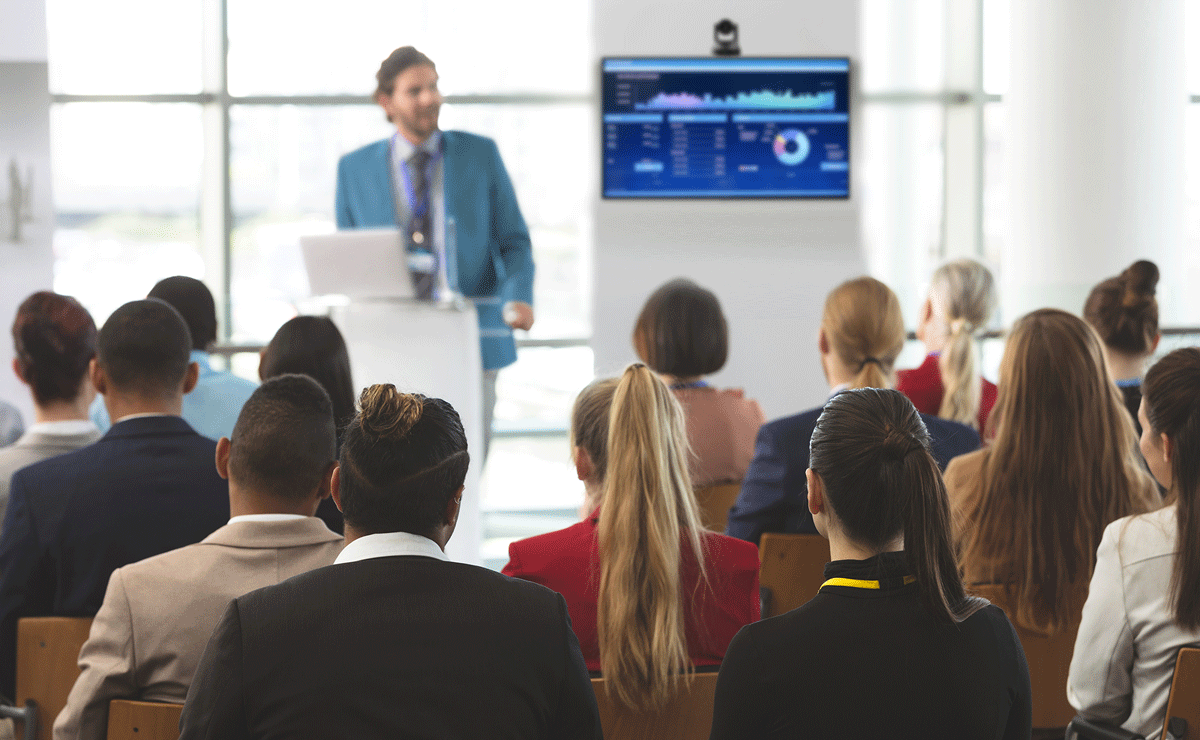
(1139, 282)
(387, 413)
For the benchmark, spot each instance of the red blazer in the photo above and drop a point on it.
(923, 386)
(568, 561)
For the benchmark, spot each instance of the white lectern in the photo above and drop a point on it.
(433, 349)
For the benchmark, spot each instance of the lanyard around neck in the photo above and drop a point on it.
(856, 583)
(410, 194)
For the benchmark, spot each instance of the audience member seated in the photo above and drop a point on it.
(1144, 601)
(891, 646)
(212, 407)
(11, 425)
(948, 384)
(157, 615)
(313, 346)
(682, 335)
(146, 487)
(650, 591)
(862, 333)
(1063, 464)
(393, 640)
(1124, 312)
(54, 340)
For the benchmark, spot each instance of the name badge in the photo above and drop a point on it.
(422, 262)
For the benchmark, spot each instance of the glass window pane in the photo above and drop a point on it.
(127, 191)
(1191, 20)
(997, 45)
(285, 47)
(284, 163)
(902, 45)
(124, 46)
(901, 195)
(995, 190)
(1186, 301)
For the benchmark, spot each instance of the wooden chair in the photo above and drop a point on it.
(1049, 659)
(686, 717)
(715, 502)
(143, 720)
(47, 666)
(1183, 707)
(792, 570)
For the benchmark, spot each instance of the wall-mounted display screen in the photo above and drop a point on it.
(726, 128)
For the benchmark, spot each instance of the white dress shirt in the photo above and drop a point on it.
(265, 518)
(390, 544)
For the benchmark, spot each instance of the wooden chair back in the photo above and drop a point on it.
(1049, 659)
(1183, 703)
(792, 570)
(48, 664)
(143, 720)
(686, 717)
(715, 502)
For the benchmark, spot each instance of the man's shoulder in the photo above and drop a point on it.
(365, 154)
(801, 424)
(67, 464)
(466, 143)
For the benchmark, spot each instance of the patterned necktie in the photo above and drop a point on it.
(420, 223)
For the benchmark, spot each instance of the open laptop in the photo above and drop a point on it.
(359, 263)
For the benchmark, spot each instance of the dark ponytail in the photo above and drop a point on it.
(871, 450)
(1171, 393)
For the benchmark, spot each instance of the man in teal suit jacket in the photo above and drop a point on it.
(469, 184)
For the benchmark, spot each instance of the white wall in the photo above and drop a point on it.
(770, 263)
(27, 265)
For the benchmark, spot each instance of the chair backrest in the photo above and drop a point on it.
(686, 717)
(143, 720)
(48, 664)
(793, 569)
(1184, 700)
(715, 502)
(1049, 659)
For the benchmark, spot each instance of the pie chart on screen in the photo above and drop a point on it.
(791, 147)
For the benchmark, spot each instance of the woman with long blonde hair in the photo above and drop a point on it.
(948, 384)
(650, 592)
(862, 333)
(1032, 506)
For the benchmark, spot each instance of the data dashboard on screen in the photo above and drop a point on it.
(726, 128)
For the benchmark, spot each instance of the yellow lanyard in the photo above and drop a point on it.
(855, 583)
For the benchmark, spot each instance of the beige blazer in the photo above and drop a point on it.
(158, 614)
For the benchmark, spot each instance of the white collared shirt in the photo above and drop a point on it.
(63, 428)
(265, 518)
(146, 415)
(389, 544)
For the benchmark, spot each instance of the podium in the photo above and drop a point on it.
(432, 349)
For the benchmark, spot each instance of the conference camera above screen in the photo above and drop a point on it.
(726, 127)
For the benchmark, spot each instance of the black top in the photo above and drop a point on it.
(862, 663)
(394, 647)
(1132, 393)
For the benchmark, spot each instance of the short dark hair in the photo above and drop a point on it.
(396, 62)
(1124, 311)
(54, 338)
(681, 331)
(194, 302)
(403, 458)
(145, 347)
(313, 346)
(284, 440)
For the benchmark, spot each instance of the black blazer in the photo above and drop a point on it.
(774, 494)
(148, 486)
(394, 647)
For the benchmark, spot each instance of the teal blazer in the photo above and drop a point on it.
(495, 258)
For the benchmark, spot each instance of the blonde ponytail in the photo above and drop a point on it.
(964, 291)
(648, 508)
(865, 330)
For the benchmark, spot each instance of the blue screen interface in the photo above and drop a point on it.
(726, 128)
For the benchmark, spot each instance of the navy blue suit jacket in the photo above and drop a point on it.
(147, 486)
(774, 495)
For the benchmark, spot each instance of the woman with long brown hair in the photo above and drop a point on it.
(1144, 600)
(892, 645)
(862, 333)
(1031, 507)
(651, 593)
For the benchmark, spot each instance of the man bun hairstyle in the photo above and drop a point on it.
(194, 302)
(145, 348)
(54, 339)
(681, 331)
(284, 441)
(403, 458)
(871, 450)
(1124, 310)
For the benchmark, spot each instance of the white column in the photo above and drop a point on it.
(1096, 144)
